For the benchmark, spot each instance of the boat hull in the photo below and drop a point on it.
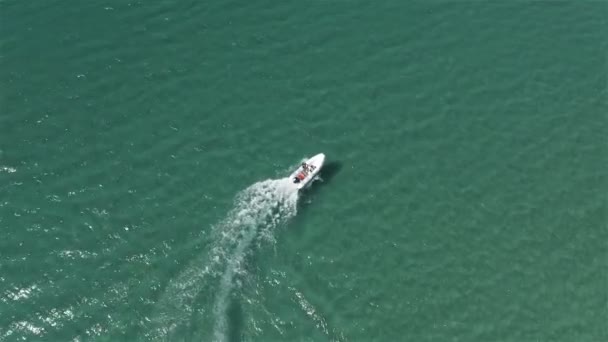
(305, 178)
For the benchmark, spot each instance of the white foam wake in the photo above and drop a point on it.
(257, 212)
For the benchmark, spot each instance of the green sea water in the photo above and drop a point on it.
(144, 147)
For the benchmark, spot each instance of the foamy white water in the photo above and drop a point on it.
(256, 213)
(259, 210)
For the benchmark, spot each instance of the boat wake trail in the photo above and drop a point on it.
(257, 212)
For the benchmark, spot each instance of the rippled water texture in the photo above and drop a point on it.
(144, 148)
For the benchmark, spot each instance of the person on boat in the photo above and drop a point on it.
(305, 166)
(299, 177)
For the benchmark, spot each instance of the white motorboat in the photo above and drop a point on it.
(307, 171)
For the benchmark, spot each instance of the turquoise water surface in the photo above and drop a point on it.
(144, 148)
